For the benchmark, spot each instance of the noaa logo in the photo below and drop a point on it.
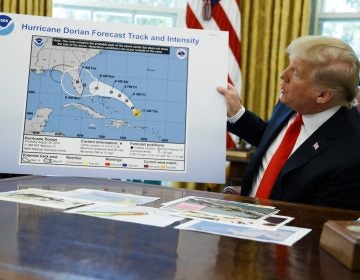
(38, 42)
(181, 53)
(6, 25)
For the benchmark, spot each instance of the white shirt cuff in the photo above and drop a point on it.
(237, 116)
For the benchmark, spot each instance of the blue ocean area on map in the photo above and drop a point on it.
(120, 96)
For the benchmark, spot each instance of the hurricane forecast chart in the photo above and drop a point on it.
(105, 104)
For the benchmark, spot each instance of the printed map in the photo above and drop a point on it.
(106, 90)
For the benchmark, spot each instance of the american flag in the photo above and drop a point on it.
(220, 15)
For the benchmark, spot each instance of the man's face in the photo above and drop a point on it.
(297, 89)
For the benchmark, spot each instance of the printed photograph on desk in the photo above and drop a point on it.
(133, 214)
(218, 210)
(40, 197)
(272, 222)
(284, 236)
(120, 199)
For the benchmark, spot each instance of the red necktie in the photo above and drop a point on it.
(279, 158)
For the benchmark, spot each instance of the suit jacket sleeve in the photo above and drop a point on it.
(249, 127)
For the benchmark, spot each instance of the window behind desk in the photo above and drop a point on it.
(164, 13)
(340, 19)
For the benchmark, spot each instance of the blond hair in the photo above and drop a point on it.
(336, 66)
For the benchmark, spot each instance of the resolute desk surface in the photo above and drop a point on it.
(44, 243)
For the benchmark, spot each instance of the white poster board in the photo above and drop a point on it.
(114, 101)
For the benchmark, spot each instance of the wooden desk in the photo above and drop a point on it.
(44, 243)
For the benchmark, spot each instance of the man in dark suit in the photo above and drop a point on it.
(323, 168)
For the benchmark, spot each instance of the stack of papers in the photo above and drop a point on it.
(214, 216)
(235, 219)
(96, 203)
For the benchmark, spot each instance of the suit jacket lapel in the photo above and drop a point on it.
(316, 143)
(273, 128)
(312, 147)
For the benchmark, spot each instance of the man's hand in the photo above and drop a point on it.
(232, 99)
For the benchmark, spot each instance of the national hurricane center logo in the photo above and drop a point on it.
(6, 25)
(38, 42)
(181, 53)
